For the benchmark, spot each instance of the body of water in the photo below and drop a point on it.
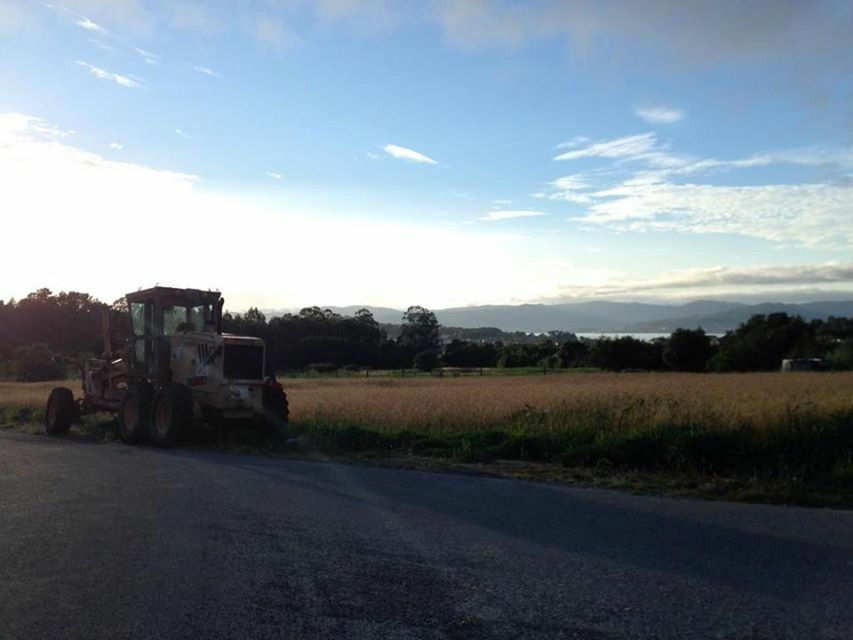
(638, 336)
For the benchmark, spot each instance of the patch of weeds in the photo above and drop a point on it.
(24, 418)
(98, 426)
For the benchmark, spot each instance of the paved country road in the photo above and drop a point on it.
(111, 541)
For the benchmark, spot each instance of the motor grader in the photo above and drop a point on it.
(167, 365)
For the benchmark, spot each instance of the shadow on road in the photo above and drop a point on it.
(672, 535)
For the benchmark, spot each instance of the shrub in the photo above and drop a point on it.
(842, 356)
(427, 360)
(34, 363)
(688, 350)
(549, 362)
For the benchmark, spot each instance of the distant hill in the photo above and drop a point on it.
(715, 316)
(579, 317)
(729, 319)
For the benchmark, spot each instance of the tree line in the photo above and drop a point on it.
(42, 324)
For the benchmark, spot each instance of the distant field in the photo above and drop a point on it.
(31, 395)
(612, 401)
(785, 437)
(606, 401)
(788, 430)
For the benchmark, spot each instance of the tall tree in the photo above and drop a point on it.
(420, 330)
(688, 350)
(760, 343)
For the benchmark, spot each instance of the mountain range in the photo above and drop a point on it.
(715, 316)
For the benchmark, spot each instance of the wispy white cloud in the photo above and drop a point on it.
(372, 155)
(273, 175)
(495, 216)
(84, 23)
(567, 196)
(654, 198)
(116, 146)
(626, 147)
(567, 189)
(811, 214)
(404, 153)
(573, 143)
(659, 115)
(206, 71)
(183, 134)
(575, 181)
(129, 14)
(119, 79)
(103, 46)
(34, 125)
(150, 58)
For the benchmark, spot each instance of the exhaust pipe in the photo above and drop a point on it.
(219, 306)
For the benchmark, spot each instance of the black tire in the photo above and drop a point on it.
(135, 413)
(276, 407)
(60, 411)
(171, 413)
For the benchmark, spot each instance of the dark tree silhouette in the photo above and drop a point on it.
(688, 350)
(420, 330)
(762, 342)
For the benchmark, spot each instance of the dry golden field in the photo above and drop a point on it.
(769, 436)
(17, 395)
(608, 401)
(611, 400)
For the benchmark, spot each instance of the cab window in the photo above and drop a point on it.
(173, 317)
(199, 315)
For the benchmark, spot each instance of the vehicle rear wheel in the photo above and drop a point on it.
(135, 413)
(171, 412)
(276, 407)
(60, 411)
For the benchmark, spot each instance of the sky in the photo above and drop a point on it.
(334, 152)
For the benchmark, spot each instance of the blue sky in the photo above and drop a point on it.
(439, 153)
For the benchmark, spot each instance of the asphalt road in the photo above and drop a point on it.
(111, 541)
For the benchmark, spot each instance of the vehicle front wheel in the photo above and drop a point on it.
(135, 412)
(60, 411)
(171, 412)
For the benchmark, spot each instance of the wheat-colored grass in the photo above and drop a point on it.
(610, 400)
(33, 395)
(566, 400)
